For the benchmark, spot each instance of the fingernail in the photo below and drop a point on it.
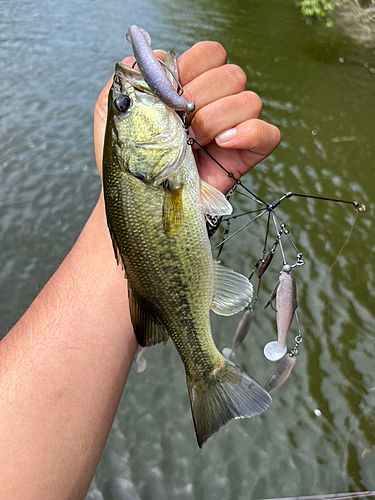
(226, 136)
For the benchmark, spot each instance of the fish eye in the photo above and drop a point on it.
(122, 103)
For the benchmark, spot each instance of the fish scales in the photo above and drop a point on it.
(153, 204)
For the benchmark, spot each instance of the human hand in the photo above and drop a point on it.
(226, 121)
(223, 107)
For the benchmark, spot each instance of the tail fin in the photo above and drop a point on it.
(229, 393)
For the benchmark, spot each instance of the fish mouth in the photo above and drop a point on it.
(131, 76)
(127, 71)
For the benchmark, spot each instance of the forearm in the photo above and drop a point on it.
(62, 371)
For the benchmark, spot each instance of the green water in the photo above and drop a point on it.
(317, 86)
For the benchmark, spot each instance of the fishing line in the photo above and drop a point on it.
(251, 198)
(173, 75)
(238, 230)
(192, 141)
(287, 234)
(346, 241)
(232, 217)
(265, 261)
(280, 233)
(266, 237)
(331, 496)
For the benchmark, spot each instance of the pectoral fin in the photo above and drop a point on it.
(147, 329)
(213, 201)
(173, 211)
(232, 291)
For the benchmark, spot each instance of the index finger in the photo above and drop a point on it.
(200, 58)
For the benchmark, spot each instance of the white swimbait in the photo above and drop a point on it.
(286, 305)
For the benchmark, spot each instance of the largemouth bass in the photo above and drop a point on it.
(155, 205)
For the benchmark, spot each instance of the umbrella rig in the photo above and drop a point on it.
(283, 299)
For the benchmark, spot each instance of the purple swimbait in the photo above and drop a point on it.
(153, 73)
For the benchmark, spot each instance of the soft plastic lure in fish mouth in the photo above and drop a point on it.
(154, 74)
